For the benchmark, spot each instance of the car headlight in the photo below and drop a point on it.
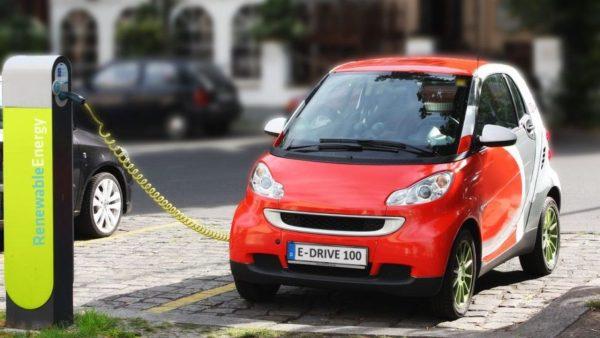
(426, 190)
(263, 183)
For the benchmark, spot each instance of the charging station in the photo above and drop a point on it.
(38, 191)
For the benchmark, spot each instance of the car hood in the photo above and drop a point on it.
(343, 188)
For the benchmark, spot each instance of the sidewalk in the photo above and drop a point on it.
(567, 316)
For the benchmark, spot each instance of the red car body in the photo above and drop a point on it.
(487, 196)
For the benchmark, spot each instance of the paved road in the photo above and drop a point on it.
(211, 175)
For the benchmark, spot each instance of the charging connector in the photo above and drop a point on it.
(60, 89)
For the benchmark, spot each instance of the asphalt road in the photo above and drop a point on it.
(210, 175)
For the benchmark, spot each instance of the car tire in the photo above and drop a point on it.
(544, 257)
(452, 302)
(256, 292)
(176, 126)
(101, 208)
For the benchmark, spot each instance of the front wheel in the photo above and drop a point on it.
(101, 208)
(454, 298)
(544, 257)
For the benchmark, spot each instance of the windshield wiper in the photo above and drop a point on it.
(326, 146)
(380, 145)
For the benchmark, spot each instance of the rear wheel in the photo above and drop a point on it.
(256, 292)
(454, 298)
(544, 257)
(102, 207)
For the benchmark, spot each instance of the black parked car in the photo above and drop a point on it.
(173, 96)
(101, 188)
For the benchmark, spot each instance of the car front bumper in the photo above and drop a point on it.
(410, 261)
(392, 279)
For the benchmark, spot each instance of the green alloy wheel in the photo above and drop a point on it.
(550, 237)
(462, 286)
(544, 257)
(454, 298)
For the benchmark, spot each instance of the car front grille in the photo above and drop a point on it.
(340, 223)
(333, 224)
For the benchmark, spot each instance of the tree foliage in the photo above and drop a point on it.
(142, 34)
(19, 33)
(578, 24)
(147, 32)
(279, 20)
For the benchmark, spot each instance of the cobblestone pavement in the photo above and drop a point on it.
(153, 261)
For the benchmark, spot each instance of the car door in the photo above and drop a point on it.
(161, 82)
(526, 142)
(79, 164)
(502, 179)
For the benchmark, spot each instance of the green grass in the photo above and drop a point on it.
(91, 323)
(86, 324)
(250, 333)
(593, 304)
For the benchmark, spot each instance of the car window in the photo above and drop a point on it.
(118, 76)
(158, 74)
(422, 110)
(517, 98)
(495, 105)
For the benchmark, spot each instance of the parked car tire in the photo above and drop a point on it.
(176, 126)
(544, 257)
(101, 208)
(256, 292)
(454, 298)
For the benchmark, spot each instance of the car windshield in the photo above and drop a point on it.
(406, 114)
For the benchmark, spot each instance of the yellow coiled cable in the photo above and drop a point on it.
(143, 182)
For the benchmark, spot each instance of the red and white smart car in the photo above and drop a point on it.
(412, 176)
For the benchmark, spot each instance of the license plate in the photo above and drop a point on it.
(338, 256)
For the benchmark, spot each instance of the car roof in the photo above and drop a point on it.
(420, 64)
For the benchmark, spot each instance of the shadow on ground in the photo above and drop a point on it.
(295, 305)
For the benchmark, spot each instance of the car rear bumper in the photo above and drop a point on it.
(392, 279)
(218, 111)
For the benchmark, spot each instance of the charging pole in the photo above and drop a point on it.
(38, 192)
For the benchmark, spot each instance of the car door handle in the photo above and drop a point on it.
(528, 125)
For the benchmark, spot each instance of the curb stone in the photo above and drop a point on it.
(555, 318)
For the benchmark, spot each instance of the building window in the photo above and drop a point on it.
(245, 54)
(79, 39)
(194, 34)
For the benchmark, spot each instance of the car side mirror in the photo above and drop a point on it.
(275, 126)
(497, 136)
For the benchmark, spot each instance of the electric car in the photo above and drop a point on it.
(174, 97)
(101, 188)
(411, 176)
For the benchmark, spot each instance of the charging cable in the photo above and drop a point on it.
(137, 175)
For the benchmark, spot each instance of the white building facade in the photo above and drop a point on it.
(220, 31)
